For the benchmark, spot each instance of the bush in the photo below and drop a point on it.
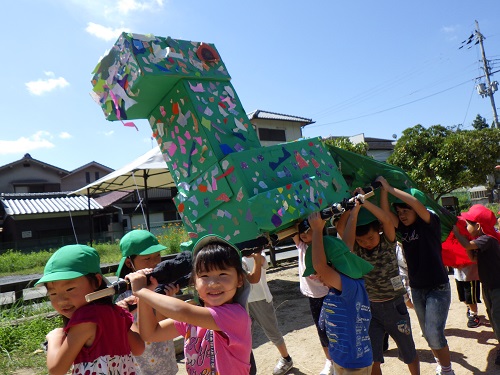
(171, 236)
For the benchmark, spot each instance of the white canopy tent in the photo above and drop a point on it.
(147, 171)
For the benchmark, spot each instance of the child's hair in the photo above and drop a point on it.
(125, 270)
(397, 205)
(361, 230)
(217, 255)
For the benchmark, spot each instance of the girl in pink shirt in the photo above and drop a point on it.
(217, 336)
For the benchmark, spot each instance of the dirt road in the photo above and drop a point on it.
(473, 350)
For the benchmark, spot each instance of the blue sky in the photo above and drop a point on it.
(351, 66)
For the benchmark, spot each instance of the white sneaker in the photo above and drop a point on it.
(283, 366)
(328, 369)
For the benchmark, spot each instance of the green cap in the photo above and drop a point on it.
(365, 217)
(338, 254)
(138, 242)
(416, 193)
(70, 262)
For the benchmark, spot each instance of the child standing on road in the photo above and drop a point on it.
(140, 249)
(261, 309)
(469, 291)
(420, 232)
(313, 289)
(217, 337)
(96, 337)
(346, 308)
(371, 235)
(485, 250)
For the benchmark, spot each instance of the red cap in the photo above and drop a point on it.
(485, 217)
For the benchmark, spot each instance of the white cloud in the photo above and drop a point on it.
(40, 139)
(65, 135)
(103, 32)
(42, 86)
(108, 134)
(449, 29)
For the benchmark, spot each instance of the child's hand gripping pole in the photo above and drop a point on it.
(175, 271)
(335, 210)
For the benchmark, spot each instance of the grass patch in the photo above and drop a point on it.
(15, 262)
(20, 343)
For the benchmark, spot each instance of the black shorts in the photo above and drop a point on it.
(469, 291)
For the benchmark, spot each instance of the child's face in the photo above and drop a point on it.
(146, 261)
(370, 240)
(306, 236)
(473, 228)
(407, 216)
(217, 286)
(66, 296)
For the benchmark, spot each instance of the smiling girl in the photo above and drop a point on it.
(217, 338)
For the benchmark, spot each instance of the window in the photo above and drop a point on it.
(277, 135)
(96, 175)
(87, 177)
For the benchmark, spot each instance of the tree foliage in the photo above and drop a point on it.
(480, 123)
(442, 159)
(346, 144)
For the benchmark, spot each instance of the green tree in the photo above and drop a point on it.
(480, 123)
(442, 159)
(346, 144)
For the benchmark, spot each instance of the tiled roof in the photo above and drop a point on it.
(110, 198)
(278, 116)
(20, 206)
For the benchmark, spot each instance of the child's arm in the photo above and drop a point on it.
(409, 199)
(384, 218)
(296, 239)
(254, 275)
(341, 223)
(169, 306)
(348, 235)
(327, 274)
(135, 341)
(469, 246)
(62, 349)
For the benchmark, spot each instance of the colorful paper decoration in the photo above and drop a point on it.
(227, 182)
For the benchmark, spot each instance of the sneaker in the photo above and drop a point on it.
(328, 369)
(497, 359)
(439, 372)
(474, 321)
(282, 367)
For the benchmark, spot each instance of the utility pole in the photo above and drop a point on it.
(489, 90)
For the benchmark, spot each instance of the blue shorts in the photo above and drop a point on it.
(432, 306)
(391, 317)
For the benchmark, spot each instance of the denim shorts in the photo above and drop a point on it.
(432, 306)
(392, 317)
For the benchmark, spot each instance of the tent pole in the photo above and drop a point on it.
(91, 229)
(146, 199)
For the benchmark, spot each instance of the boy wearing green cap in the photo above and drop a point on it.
(346, 308)
(420, 231)
(360, 228)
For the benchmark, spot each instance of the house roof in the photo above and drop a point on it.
(27, 204)
(259, 114)
(95, 164)
(379, 143)
(112, 197)
(28, 159)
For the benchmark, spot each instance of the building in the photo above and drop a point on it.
(36, 212)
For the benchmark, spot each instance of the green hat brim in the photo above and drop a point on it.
(342, 259)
